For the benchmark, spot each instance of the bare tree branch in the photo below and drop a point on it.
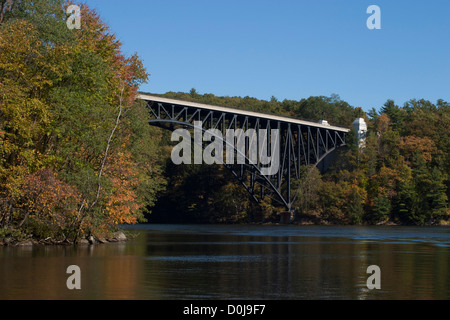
(5, 5)
(102, 167)
(108, 145)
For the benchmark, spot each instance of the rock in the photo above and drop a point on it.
(118, 237)
(25, 243)
(83, 241)
(91, 240)
(121, 236)
(102, 240)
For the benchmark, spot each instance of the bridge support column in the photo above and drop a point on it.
(286, 217)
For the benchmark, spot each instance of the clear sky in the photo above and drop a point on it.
(288, 49)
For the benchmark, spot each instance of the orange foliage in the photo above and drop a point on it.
(411, 145)
(123, 203)
(48, 199)
(387, 179)
(383, 122)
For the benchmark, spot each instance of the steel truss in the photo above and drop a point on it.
(300, 145)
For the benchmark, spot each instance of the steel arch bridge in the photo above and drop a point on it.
(300, 142)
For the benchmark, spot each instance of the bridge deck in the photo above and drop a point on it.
(239, 111)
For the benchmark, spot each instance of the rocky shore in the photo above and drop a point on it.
(118, 236)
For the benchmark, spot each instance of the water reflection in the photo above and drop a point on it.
(238, 262)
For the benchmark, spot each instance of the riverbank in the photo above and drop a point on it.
(118, 236)
(124, 235)
(304, 220)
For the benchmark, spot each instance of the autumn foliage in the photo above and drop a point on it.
(78, 158)
(69, 127)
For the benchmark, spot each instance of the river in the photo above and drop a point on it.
(175, 262)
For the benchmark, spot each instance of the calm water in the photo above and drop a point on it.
(238, 262)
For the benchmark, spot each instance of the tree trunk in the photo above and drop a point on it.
(100, 174)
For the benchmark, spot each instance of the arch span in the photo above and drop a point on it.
(300, 142)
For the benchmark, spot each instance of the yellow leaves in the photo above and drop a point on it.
(18, 50)
(23, 65)
(28, 62)
(356, 188)
(386, 179)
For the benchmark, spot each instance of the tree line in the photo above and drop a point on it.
(400, 176)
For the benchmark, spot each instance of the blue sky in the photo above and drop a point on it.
(288, 49)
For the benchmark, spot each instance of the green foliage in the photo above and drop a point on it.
(408, 163)
(13, 235)
(355, 208)
(395, 114)
(382, 209)
(400, 176)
